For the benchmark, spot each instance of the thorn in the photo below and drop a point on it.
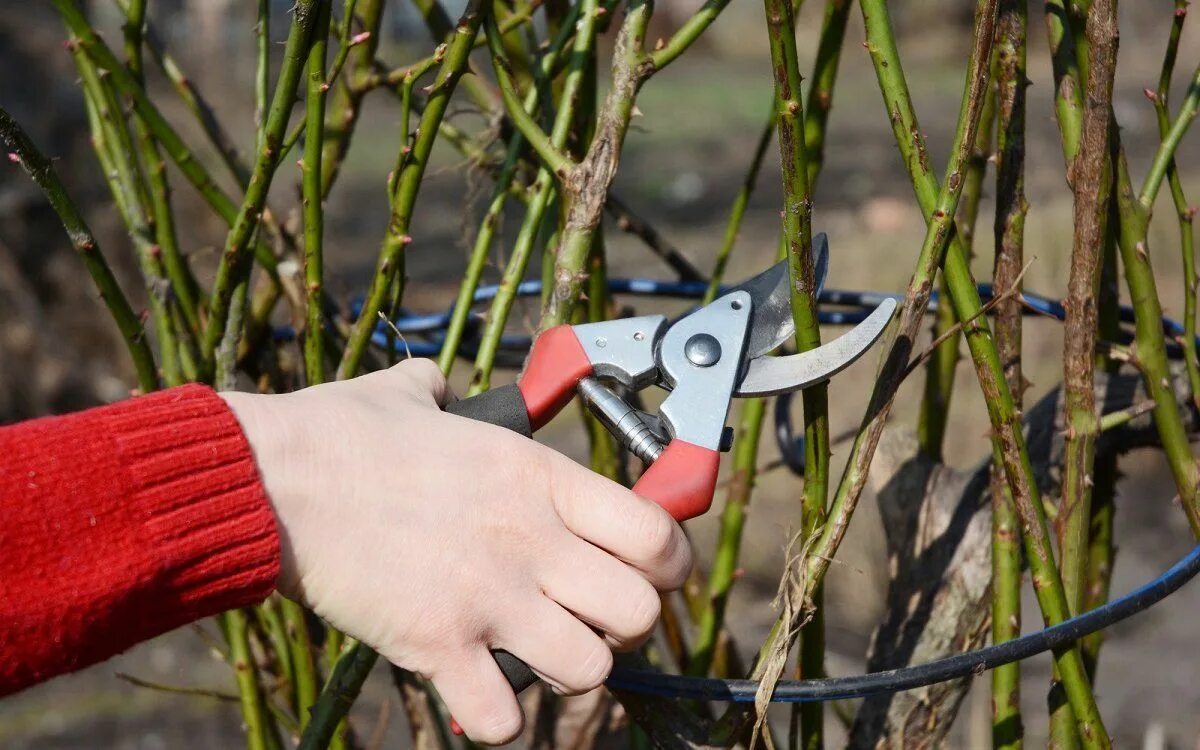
(406, 239)
(359, 38)
(659, 44)
(1150, 94)
(324, 88)
(635, 112)
(15, 158)
(600, 12)
(300, 163)
(1181, 12)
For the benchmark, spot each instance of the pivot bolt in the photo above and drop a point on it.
(702, 350)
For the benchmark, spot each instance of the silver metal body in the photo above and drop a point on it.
(695, 410)
(710, 356)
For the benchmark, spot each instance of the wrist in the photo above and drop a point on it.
(280, 449)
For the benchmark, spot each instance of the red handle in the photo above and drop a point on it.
(682, 480)
(556, 364)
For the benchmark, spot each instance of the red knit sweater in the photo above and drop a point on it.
(121, 523)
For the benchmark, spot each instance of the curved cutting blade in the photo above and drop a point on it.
(771, 319)
(768, 376)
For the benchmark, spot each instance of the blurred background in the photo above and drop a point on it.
(683, 163)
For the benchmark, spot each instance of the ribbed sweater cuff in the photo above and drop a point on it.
(199, 497)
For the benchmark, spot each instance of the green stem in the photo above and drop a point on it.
(41, 170)
(260, 731)
(491, 218)
(729, 541)
(408, 185)
(542, 189)
(314, 209)
(233, 267)
(738, 211)
(348, 94)
(1007, 439)
(339, 693)
(1184, 212)
(797, 243)
(1101, 552)
(687, 33)
(1009, 232)
(170, 141)
(262, 73)
(1067, 82)
(1164, 157)
(943, 364)
(183, 284)
(820, 94)
(114, 150)
(195, 103)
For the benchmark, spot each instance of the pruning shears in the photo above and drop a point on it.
(704, 359)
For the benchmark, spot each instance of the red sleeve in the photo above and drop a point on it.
(121, 523)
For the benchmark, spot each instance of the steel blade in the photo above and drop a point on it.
(771, 318)
(768, 376)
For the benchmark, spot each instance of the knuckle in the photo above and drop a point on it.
(424, 371)
(643, 615)
(680, 568)
(655, 534)
(594, 666)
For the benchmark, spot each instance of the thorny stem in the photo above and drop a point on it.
(797, 243)
(725, 562)
(262, 73)
(542, 190)
(1164, 158)
(1067, 81)
(260, 732)
(740, 202)
(164, 133)
(820, 93)
(114, 150)
(408, 184)
(940, 208)
(491, 219)
(339, 693)
(1091, 178)
(1133, 242)
(1184, 212)
(1101, 552)
(183, 285)
(312, 199)
(943, 365)
(21, 149)
(194, 102)
(344, 110)
(1009, 232)
(585, 185)
(233, 267)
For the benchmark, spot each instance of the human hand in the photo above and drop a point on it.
(433, 539)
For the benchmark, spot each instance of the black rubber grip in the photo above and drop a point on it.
(517, 672)
(504, 406)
